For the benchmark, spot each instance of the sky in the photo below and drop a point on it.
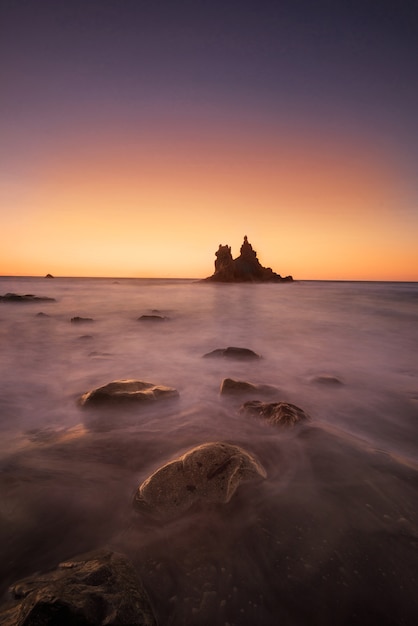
(136, 136)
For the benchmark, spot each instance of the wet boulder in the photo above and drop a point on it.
(276, 413)
(229, 386)
(209, 473)
(97, 588)
(127, 391)
(233, 353)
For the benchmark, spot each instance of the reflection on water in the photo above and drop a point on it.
(329, 537)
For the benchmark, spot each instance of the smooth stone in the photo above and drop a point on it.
(81, 320)
(127, 391)
(94, 589)
(229, 386)
(277, 413)
(209, 473)
(233, 353)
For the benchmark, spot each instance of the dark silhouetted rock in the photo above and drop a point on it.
(232, 353)
(209, 473)
(127, 391)
(14, 297)
(81, 320)
(41, 314)
(152, 318)
(49, 276)
(96, 589)
(277, 413)
(229, 386)
(245, 268)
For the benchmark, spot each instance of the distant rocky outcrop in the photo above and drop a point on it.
(245, 268)
(92, 590)
(49, 276)
(209, 473)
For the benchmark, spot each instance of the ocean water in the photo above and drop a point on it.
(329, 537)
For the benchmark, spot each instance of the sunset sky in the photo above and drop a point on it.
(136, 136)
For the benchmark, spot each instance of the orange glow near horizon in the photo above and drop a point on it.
(158, 206)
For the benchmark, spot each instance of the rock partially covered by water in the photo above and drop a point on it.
(325, 379)
(245, 268)
(229, 386)
(49, 276)
(127, 391)
(233, 353)
(81, 320)
(29, 297)
(277, 413)
(94, 589)
(209, 473)
(152, 318)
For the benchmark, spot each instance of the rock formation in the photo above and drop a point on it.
(209, 473)
(94, 589)
(245, 268)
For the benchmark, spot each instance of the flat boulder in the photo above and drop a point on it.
(95, 589)
(29, 297)
(276, 413)
(209, 473)
(126, 391)
(233, 353)
(229, 386)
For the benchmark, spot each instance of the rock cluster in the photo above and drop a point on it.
(245, 268)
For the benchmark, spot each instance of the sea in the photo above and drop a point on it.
(329, 537)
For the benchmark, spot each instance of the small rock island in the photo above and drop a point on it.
(245, 268)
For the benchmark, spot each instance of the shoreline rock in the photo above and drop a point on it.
(126, 391)
(209, 473)
(100, 587)
(232, 353)
(276, 413)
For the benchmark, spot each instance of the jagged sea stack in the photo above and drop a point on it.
(245, 268)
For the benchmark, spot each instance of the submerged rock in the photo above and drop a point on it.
(245, 268)
(233, 353)
(209, 473)
(152, 318)
(327, 380)
(277, 413)
(81, 320)
(29, 297)
(229, 386)
(126, 391)
(95, 589)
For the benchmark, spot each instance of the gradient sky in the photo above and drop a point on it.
(136, 136)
